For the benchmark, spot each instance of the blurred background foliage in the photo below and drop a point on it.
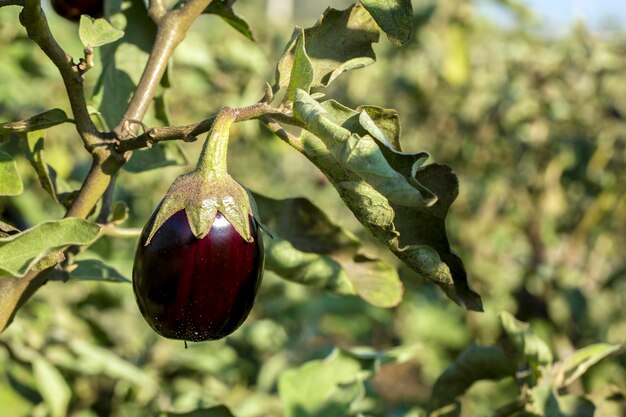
(534, 126)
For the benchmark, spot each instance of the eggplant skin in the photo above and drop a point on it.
(197, 289)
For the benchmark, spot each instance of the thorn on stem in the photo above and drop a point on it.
(268, 95)
(129, 123)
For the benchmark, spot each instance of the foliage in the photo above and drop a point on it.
(533, 127)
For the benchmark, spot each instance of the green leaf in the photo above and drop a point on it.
(360, 154)
(40, 121)
(388, 122)
(52, 386)
(309, 269)
(371, 179)
(10, 180)
(225, 11)
(395, 18)
(308, 248)
(97, 32)
(301, 70)
(164, 154)
(574, 366)
(528, 346)
(119, 213)
(573, 406)
(124, 60)
(19, 252)
(217, 411)
(475, 363)
(322, 388)
(89, 270)
(7, 230)
(33, 146)
(340, 41)
(95, 360)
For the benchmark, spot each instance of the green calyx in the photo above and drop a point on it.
(209, 189)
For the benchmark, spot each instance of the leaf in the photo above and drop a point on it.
(414, 233)
(123, 61)
(573, 406)
(119, 212)
(528, 346)
(10, 180)
(95, 360)
(475, 363)
(52, 386)
(301, 71)
(33, 145)
(38, 122)
(574, 366)
(388, 121)
(90, 270)
(308, 248)
(19, 252)
(322, 388)
(360, 154)
(340, 41)
(94, 33)
(164, 154)
(305, 268)
(395, 18)
(7, 230)
(217, 411)
(225, 11)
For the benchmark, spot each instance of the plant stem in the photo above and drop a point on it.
(190, 132)
(171, 30)
(94, 186)
(213, 158)
(34, 20)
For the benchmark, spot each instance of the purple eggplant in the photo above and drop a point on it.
(199, 261)
(197, 289)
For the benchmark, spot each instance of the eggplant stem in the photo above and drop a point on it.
(213, 158)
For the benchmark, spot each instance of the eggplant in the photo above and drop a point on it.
(199, 261)
(197, 289)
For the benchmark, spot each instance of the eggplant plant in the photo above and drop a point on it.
(214, 234)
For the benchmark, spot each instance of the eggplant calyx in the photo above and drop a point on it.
(201, 200)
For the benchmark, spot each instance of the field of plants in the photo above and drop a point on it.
(533, 125)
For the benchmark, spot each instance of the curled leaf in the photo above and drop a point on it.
(340, 41)
(415, 232)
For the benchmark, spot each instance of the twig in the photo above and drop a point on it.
(107, 203)
(190, 132)
(171, 30)
(34, 20)
(86, 63)
(279, 131)
(156, 10)
(119, 232)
